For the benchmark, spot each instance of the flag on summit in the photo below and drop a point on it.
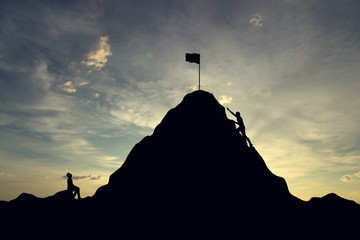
(193, 58)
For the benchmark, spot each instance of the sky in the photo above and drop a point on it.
(81, 82)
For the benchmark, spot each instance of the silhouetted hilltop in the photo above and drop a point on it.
(196, 153)
(196, 166)
(195, 175)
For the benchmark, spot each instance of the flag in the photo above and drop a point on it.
(192, 57)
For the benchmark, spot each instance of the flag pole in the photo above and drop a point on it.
(193, 58)
(199, 75)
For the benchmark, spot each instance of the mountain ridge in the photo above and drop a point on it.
(196, 173)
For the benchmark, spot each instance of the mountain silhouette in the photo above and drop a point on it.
(195, 176)
(196, 159)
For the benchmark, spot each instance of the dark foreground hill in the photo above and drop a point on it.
(194, 176)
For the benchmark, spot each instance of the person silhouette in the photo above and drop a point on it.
(71, 187)
(241, 124)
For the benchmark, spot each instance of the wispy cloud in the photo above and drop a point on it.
(257, 20)
(90, 177)
(5, 174)
(83, 83)
(98, 58)
(350, 177)
(347, 178)
(224, 99)
(67, 87)
(194, 87)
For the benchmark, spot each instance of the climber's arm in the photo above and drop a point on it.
(231, 112)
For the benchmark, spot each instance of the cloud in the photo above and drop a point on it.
(95, 178)
(224, 99)
(194, 87)
(6, 174)
(67, 87)
(83, 84)
(98, 58)
(90, 177)
(257, 20)
(80, 177)
(347, 178)
(350, 177)
(70, 86)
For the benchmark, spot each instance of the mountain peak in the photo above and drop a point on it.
(198, 109)
(196, 150)
(200, 96)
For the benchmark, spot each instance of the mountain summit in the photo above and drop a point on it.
(196, 159)
(196, 174)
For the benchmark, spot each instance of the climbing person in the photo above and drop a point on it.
(71, 187)
(241, 124)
